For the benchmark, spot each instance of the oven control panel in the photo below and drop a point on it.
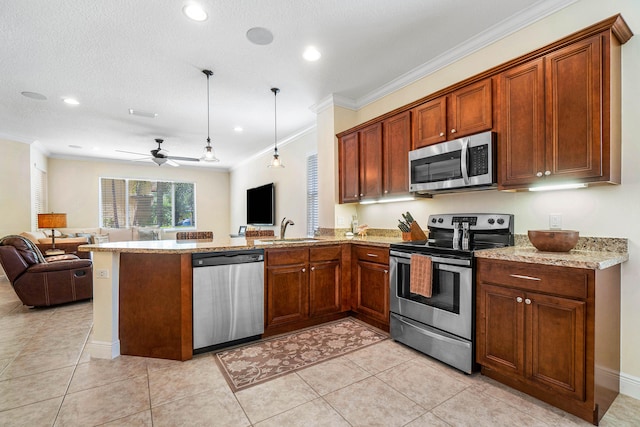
(485, 221)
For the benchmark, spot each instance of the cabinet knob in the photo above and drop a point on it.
(519, 299)
(441, 133)
(313, 268)
(527, 301)
(386, 191)
(539, 174)
(547, 173)
(361, 194)
(386, 271)
(453, 131)
(355, 195)
(304, 269)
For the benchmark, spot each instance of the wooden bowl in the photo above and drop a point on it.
(554, 240)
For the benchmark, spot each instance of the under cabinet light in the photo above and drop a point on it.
(391, 200)
(558, 187)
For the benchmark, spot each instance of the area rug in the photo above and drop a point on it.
(267, 359)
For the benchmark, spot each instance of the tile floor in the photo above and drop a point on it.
(46, 379)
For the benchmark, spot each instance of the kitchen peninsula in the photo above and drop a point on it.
(155, 277)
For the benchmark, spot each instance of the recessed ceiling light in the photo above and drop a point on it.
(34, 95)
(311, 54)
(259, 35)
(238, 129)
(71, 101)
(142, 113)
(195, 12)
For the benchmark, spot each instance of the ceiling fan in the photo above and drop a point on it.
(160, 156)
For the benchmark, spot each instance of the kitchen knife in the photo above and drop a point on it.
(411, 220)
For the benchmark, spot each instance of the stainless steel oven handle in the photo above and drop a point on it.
(439, 260)
(463, 160)
(425, 332)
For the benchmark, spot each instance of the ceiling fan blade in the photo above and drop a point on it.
(184, 159)
(172, 163)
(131, 152)
(143, 159)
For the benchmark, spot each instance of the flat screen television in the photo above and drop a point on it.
(261, 205)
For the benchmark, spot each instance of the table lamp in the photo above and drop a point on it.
(52, 221)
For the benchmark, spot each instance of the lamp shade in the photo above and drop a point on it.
(52, 220)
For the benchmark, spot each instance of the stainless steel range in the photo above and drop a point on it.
(436, 313)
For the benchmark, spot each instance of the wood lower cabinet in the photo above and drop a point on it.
(465, 111)
(303, 286)
(371, 284)
(552, 332)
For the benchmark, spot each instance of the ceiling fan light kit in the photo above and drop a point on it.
(275, 161)
(209, 154)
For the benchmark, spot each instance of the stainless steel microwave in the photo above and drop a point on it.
(467, 163)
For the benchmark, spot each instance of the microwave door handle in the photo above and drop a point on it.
(464, 161)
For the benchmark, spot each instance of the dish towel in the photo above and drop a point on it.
(420, 280)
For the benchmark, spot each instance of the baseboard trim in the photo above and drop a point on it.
(103, 349)
(630, 385)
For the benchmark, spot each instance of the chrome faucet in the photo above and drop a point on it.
(283, 226)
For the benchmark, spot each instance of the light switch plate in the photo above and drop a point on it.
(555, 221)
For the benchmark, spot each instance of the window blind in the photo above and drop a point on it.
(312, 195)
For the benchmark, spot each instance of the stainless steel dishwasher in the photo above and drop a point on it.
(228, 298)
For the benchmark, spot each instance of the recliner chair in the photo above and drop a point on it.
(40, 281)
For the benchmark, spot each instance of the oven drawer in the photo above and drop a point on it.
(563, 281)
(445, 347)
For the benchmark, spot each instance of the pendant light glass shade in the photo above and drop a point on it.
(275, 162)
(209, 155)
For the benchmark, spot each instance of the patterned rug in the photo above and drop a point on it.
(265, 360)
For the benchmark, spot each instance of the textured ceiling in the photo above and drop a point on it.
(146, 55)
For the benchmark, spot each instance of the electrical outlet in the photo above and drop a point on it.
(102, 273)
(340, 221)
(555, 221)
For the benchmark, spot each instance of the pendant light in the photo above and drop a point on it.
(209, 155)
(275, 162)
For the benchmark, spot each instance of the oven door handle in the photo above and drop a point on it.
(421, 330)
(439, 260)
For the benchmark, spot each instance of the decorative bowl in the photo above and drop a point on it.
(554, 240)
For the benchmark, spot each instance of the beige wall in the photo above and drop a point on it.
(15, 187)
(74, 184)
(290, 182)
(611, 211)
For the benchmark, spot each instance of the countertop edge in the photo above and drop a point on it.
(593, 260)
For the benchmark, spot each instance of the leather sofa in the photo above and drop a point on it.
(40, 281)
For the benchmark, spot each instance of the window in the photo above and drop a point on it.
(312, 195)
(132, 202)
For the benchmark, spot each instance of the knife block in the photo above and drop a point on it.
(416, 233)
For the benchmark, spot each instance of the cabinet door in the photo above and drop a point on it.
(287, 294)
(573, 111)
(500, 324)
(371, 161)
(372, 290)
(429, 123)
(324, 287)
(471, 110)
(396, 143)
(349, 166)
(556, 343)
(522, 130)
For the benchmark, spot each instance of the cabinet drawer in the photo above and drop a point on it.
(287, 256)
(564, 281)
(325, 253)
(372, 254)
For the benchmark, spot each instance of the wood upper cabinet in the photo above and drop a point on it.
(465, 111)
(371, 161)
(371, 283)
(396, 144)
(349, 168)
(554, 118)
(548, 330)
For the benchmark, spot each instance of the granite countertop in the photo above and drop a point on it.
(226, 244)
(591, 259)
